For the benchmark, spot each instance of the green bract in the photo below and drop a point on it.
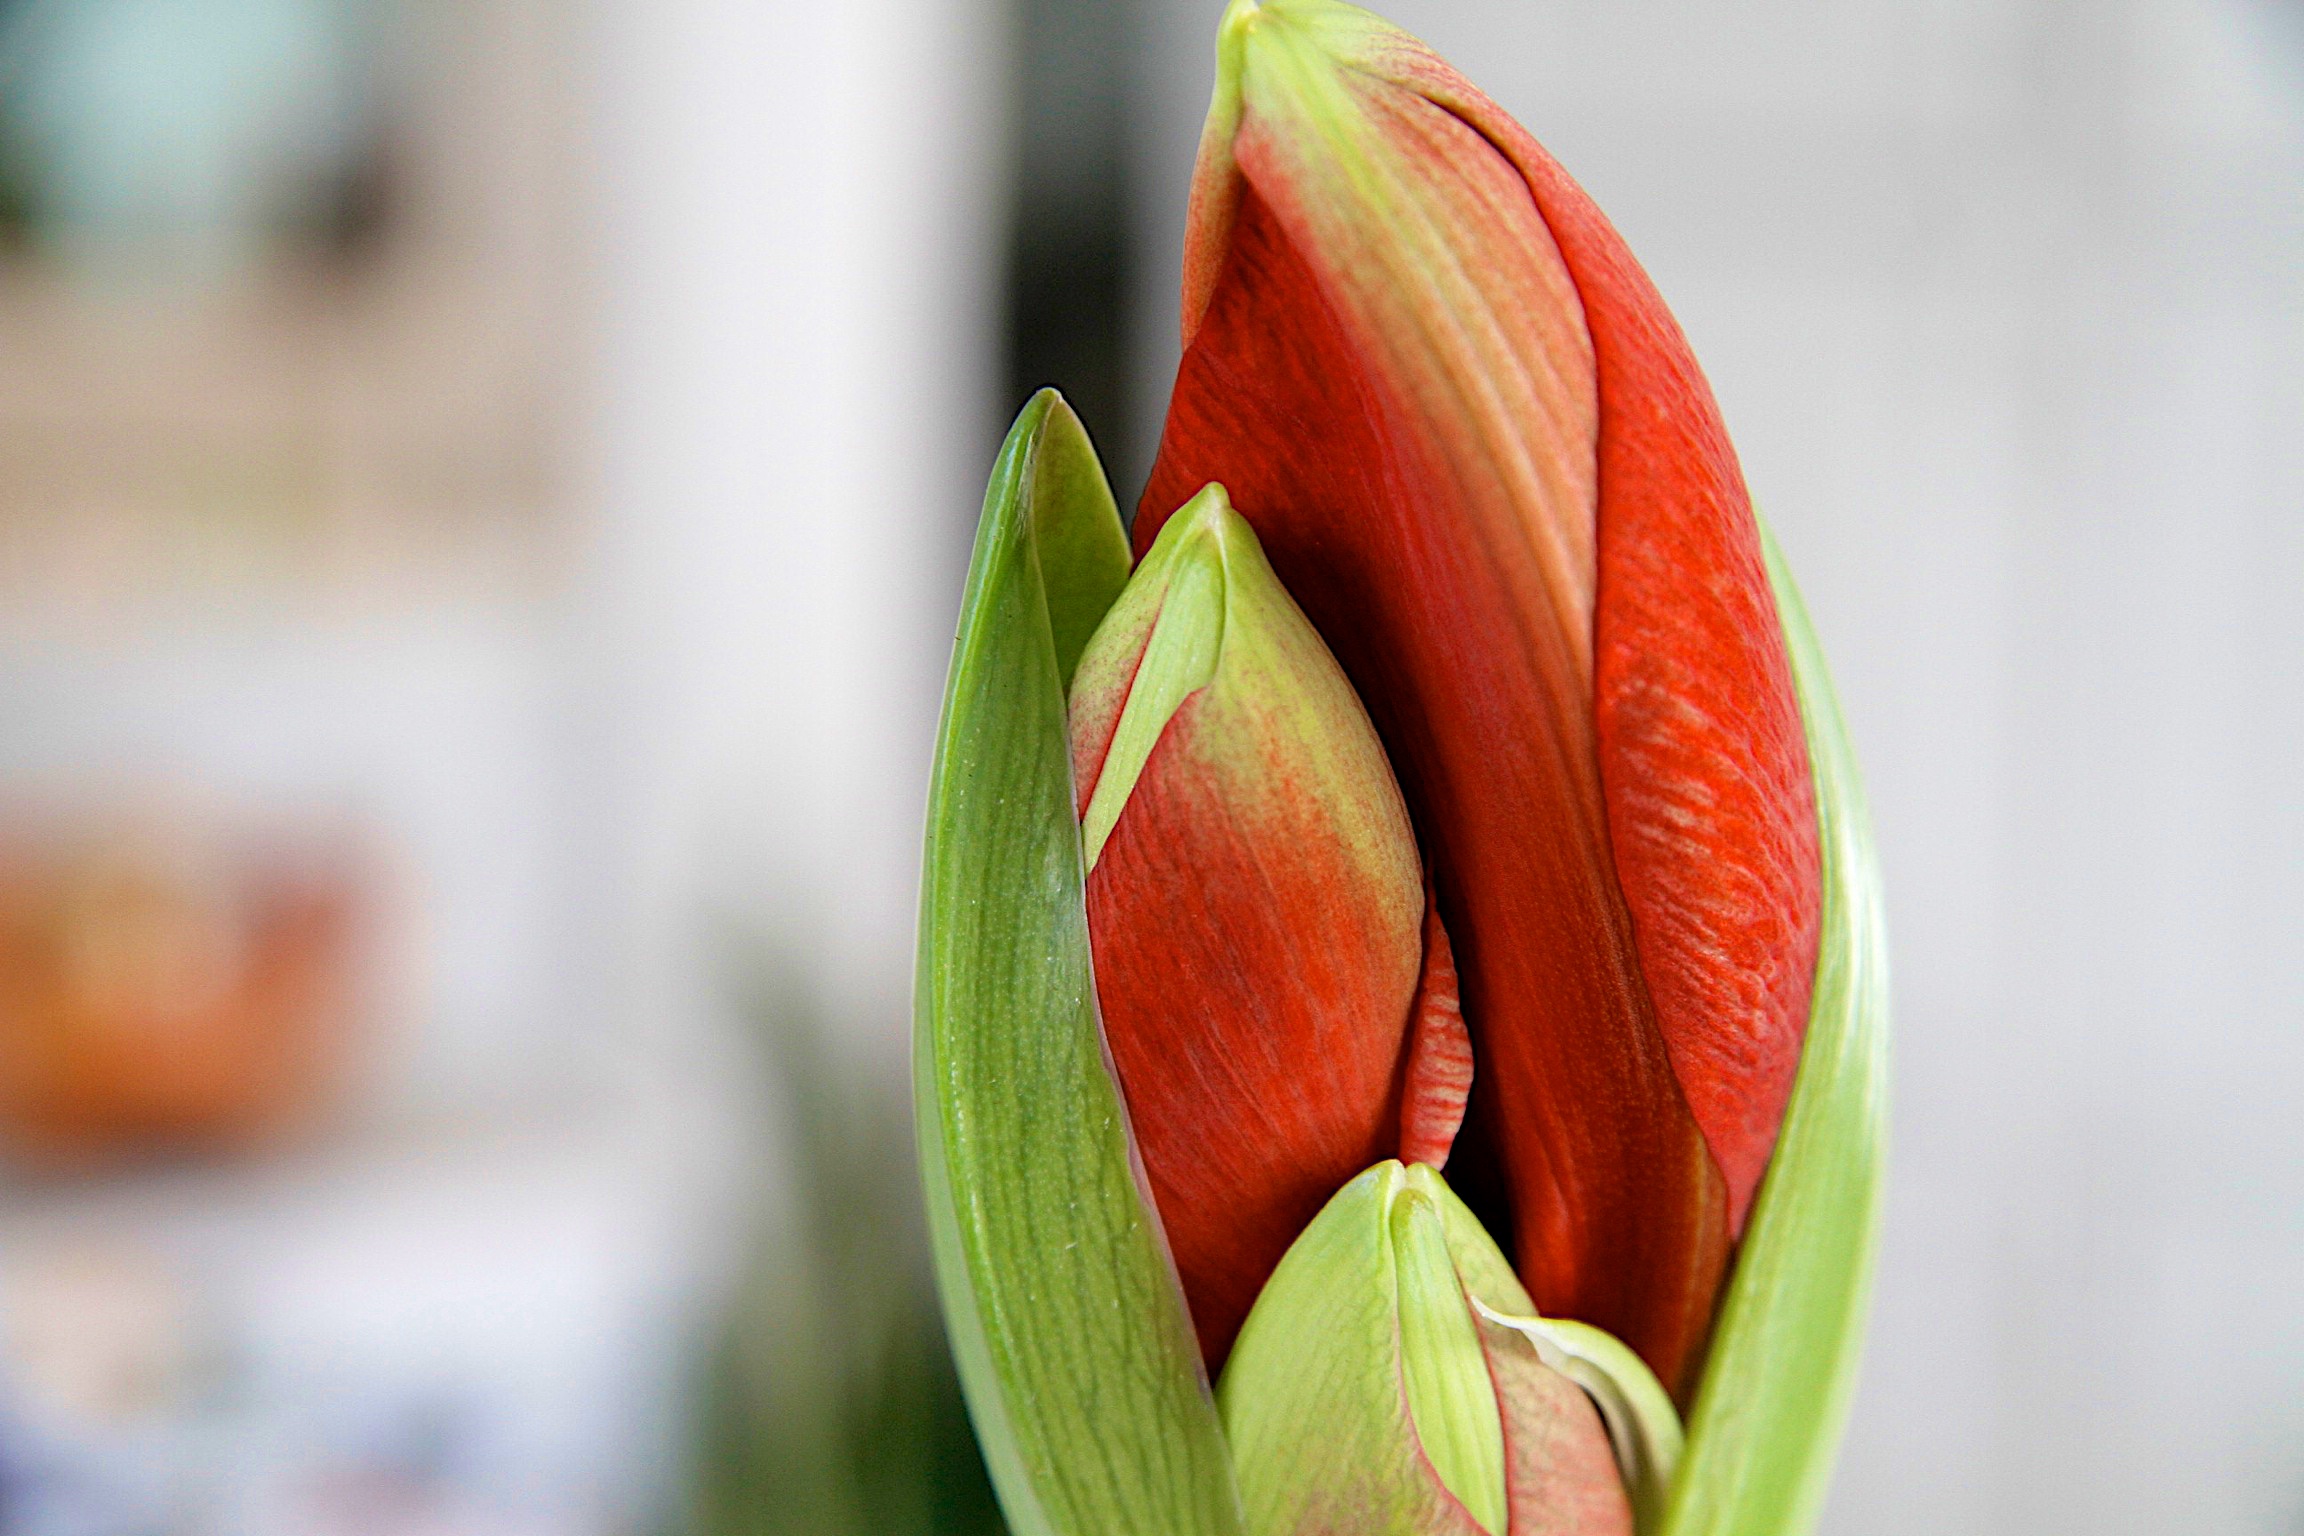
(1074, 1349)
(1071, 1334)
(1394, 1379)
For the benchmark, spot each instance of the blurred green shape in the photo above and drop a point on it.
(830, 1406)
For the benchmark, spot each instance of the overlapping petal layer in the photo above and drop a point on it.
(1703, 762)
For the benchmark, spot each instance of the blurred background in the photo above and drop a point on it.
(483, 492)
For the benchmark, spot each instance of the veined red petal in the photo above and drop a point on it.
(1703, 760)
(1388, 365)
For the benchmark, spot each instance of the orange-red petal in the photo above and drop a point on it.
(1439, 1080)
(1703, 760)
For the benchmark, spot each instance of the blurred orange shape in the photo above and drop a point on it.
(158, 995)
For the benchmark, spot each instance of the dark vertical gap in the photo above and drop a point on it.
(1066, 283)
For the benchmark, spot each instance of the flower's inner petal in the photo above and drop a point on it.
(1439, 1082)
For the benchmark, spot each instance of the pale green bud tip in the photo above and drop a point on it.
(1183, 581)
(1205, 608)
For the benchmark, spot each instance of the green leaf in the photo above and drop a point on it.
(1071, 1334)
(1775, 1394)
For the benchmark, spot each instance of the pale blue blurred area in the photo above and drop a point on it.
(183, 131)
(2004, 303)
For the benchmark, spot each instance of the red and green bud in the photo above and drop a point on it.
(1256, 904)
(1475, 743)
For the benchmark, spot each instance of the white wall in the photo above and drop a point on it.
(2004, 300)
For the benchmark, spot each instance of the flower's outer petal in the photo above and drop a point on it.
(1711, 812)
(1066, 1320)
(1366, 1395)
(1387, 364)
(1775, 1393)
(1255, 900)
(1081, 548)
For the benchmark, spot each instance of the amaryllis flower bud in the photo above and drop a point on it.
(1458, 729)
(1393, 1378)
(1257, 912)
(1479, 454)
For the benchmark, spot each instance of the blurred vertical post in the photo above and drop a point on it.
(798, 244)
(1070, 247)
(796, 211)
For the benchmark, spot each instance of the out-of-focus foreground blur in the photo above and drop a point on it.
(483, 492)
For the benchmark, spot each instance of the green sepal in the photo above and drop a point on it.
(1070, 1331)
(1451, 1397)
(1178, 597)
(1394, 1380)
(1774, 1395)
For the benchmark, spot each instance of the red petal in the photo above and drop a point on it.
(1711, 809)
(1257, 1008)
(1257, 910)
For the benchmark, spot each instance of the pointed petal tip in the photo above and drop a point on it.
(1210, 508)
